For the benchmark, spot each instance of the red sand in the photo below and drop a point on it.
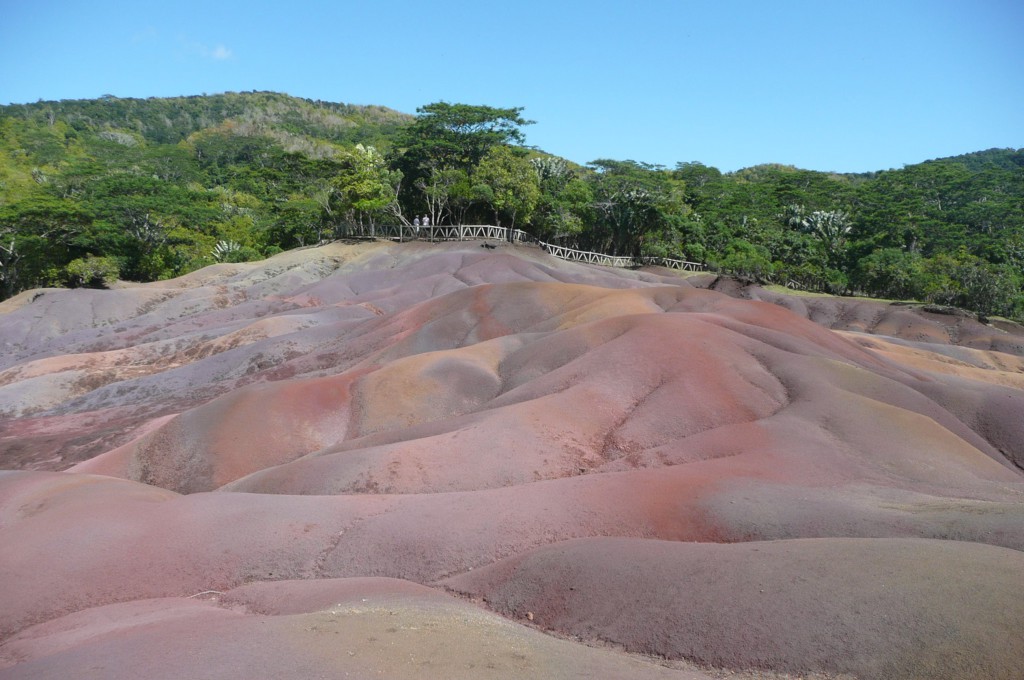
(803, 605)
(449, 412)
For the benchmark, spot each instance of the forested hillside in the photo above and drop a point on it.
(135, 189)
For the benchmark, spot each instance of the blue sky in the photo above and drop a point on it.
(824, 85)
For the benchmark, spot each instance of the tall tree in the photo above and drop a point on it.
(447, 194)
(566, 201)
(365, 189)
(448, 137)
(509, 184)
(633, 201)
(460, 135)
(36, 234)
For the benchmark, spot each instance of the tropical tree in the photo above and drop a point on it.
(892, 273)
(509, 184)
(745, 259)
(365, 191)
(36, 234)
(565, 203)
(298, 221)
(446, 137)
(442, 190)
(634, 202)
(460, 135)
(832, 228)
(965, 280)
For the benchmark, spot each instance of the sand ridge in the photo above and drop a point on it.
(590, 452)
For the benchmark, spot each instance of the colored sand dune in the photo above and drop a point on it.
(415, 460)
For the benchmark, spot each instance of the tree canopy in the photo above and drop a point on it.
(146, 189)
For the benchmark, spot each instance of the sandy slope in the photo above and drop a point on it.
(618, 458)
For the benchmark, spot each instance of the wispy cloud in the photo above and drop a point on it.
(219, 52)
(146, 35)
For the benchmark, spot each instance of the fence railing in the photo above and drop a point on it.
(472, 232)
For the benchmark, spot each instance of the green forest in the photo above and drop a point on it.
(144, 189)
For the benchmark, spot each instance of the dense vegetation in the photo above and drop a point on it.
(95, 190)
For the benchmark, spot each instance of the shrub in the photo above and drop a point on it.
(893, 273)
(92, 272)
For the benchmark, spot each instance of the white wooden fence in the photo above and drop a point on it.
(472, 232)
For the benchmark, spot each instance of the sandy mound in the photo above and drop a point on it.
(357, 628)
(548, 435)
(871, 608)
(917, 323)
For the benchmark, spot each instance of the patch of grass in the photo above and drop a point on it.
(776, 288)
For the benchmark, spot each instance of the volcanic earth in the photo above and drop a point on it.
(381, 460)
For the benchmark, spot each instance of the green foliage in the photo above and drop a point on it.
(632, 201)
(91, 272)
(565, 204)
(297, 221)
(460, 135)
(893, 273)
(964, 280)
(155, 185)
(876, 233)
(447, 194)
(171, 120)
(831, 228)
(446, 137)
(364, 191)
(37, 234)
(510, 185)
(233, 251)
(745, 259)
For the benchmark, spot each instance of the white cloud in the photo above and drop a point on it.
(218, 53)
(146, 35)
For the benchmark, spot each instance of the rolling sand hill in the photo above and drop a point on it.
(415, 460)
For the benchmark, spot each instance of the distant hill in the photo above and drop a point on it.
(172, 119)
(144, 189)
(993, 159)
